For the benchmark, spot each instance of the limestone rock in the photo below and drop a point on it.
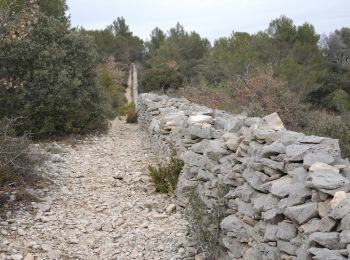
(342, 209)
(344, 223)
(264, 202)
(326, 180)
(320, 167)
(302, 213)
(274, 149)
(274, 122)
(313, 157)
(270, 233)
(345, 237)
(329, 240)
(338, 197)
(286, 231)
(296, 152)
(200, 119)
(255, 178)
(324, 253)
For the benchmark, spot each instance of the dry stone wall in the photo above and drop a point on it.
(288, 193)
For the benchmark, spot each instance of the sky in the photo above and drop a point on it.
(210, 18)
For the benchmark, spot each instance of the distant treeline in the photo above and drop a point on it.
(57, 78)
(287, 68)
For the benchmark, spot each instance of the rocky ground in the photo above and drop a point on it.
(100, 205)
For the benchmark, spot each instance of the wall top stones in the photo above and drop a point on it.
(288, 195)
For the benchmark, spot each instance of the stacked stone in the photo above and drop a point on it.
(288, 195)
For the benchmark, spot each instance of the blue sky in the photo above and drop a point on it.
(210, 18)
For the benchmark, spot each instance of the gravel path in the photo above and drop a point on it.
(101, 205)
(128, 91)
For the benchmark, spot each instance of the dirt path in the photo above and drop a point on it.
(128, 91)
(101, 206)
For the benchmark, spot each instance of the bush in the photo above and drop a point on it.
(338, 101)
(16, 163)
(53, 79)
(131, 115)
(161, 79)
(327, 124)
(262, 94)
(123, 110)
(114, 93)
(204, 223)
(165, 177)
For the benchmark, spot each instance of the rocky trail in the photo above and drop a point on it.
(101, 205)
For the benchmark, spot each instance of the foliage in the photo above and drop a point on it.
(175, 54)
(165, 176)
(131, 115)
(16, 162)
(204, 223)
(17, 18)
(114, 93)
(338, 101)
(117, 40)
(327, 124)
(263, 95)
(123, 110)
(161, 79)
(54, 89)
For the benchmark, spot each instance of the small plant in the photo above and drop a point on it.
(17, 163)
(123, 110)
(131, 115)
(165, 177)
(204, 222)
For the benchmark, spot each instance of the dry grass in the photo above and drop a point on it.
(17, 165)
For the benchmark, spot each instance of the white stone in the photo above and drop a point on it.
(338, 197)
(320, 166)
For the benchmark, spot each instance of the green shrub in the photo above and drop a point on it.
(123, 110)
(204, 223)
(165, 176)
(131, 115)
(161, 79)
(114, 93)
(53, 73)
(338, 101)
